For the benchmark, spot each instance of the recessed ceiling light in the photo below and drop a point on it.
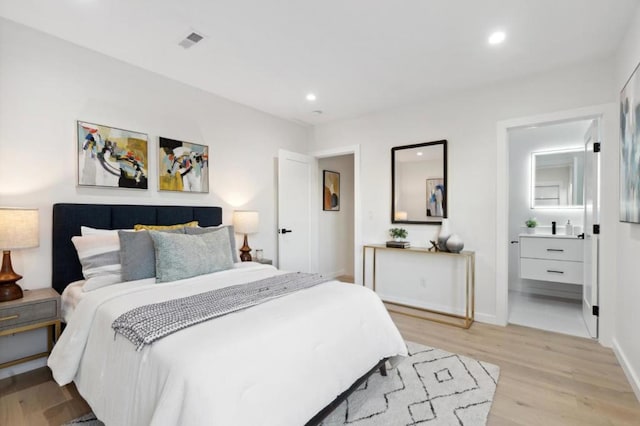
(419, 153)
(191, 39)
(311, 97)
(497, 37)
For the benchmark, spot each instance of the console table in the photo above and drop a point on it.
(463, 321)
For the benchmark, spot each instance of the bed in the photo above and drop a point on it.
(284, 362)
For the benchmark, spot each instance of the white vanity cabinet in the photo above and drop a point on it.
(556, 258)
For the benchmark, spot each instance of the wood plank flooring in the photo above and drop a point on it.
(545, 379)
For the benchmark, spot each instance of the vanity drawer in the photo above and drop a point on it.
(551, 270)
(552, 248)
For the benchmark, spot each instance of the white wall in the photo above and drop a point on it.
(626, 341)
(468, 121)
(522, 143)
(337, 227)
(47, 84)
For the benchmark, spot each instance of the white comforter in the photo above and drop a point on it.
(277, 363)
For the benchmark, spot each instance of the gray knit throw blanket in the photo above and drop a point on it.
(146, 324)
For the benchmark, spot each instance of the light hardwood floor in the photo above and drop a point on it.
(545, 379)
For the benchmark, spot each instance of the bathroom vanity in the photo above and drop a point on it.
(555, 258)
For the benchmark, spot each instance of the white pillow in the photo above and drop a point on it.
(99, 256)
(86, 230)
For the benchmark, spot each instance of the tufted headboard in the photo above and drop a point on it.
(67, 219)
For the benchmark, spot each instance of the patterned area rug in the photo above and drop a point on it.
(430, 387)
(86, 420)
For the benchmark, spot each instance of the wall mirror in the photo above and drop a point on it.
(419, 183)
(556, 179)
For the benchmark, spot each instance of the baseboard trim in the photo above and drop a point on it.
(421, 305)
(632, 375)
(487, 319)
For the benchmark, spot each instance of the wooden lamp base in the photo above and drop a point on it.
(9, 290)
(245, 251)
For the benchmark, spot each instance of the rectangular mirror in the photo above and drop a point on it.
(419, 183)
(556, 179)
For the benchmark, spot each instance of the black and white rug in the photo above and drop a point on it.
(430, 387)
(86, 420)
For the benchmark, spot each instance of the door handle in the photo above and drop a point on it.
(555, 272)
(284, 231)
(560, 250)
(515, 242)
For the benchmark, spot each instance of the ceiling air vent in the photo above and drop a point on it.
(190, 40)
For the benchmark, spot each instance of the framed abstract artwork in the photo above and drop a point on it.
(630, 149)
(183, 166)
(111, 157)
(436, 200)
(331, 191)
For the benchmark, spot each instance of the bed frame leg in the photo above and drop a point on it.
(318, 418)
(383, 369)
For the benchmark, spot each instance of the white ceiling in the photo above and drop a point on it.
(429, 153)
(356, 55)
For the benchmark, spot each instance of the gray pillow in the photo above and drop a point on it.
(180, 256)
(232, 237)
(137, 254)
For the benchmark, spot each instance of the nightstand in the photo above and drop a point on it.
(37, 309)
(264, 261)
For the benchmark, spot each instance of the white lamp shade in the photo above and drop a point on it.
(18, 228)
(245, 221)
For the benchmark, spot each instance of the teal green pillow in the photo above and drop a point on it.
(180, 256)
(228, 228)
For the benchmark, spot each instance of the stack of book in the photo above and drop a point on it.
(398, 244)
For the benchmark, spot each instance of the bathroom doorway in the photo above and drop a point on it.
(549, 259)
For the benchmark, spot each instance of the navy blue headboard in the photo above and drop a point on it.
(67, 219)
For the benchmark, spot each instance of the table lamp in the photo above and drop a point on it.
(245, 222)
(18, 230)
(400, 215)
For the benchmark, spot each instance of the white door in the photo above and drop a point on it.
(295, 176)
(591, 218)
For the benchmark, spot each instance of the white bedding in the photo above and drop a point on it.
(277, 363)
(70, 298)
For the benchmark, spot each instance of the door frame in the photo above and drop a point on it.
(606, 115)
(357, 208)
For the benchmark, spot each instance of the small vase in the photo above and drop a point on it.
(455, 244)
(444, 235)
(531, 230)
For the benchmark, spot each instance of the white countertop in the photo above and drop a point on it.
(548, 236)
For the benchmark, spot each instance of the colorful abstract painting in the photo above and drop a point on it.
(436, 201)
(111, 157)
(183, 166)
(630, 150)
(331, 191)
